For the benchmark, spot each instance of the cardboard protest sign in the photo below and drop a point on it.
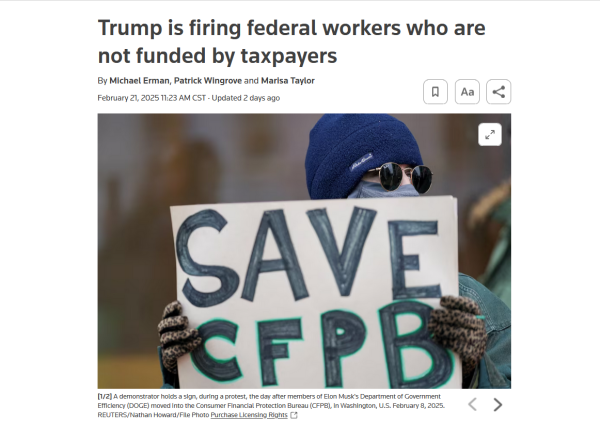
(315, 294)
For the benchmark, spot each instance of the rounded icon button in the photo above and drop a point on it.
(467, 91)
(435, 91)
(490, 134)
(499, 91)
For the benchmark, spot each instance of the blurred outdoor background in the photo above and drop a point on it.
(147, 163)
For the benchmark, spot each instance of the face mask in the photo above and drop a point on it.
(366, 189)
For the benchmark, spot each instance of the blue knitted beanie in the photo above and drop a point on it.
(343, 147)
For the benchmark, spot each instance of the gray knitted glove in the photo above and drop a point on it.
(176, 339)
(456, 327)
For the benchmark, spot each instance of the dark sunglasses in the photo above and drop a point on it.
(390, 176)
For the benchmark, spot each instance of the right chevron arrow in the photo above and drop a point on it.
(499, 404)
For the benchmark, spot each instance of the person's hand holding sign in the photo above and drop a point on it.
(176, 339)
(460, 327)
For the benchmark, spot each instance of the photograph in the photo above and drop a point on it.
(324, 251)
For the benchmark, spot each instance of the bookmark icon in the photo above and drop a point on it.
(435, 91)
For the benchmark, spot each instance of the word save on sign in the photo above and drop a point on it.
(317, 294)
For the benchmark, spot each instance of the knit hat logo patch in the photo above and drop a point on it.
(362, 160)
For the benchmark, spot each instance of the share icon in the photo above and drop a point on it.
(498, 91)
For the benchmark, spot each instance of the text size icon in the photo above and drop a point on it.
(435, 91)
(499, 91)
(466, 91)
(490, 134)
